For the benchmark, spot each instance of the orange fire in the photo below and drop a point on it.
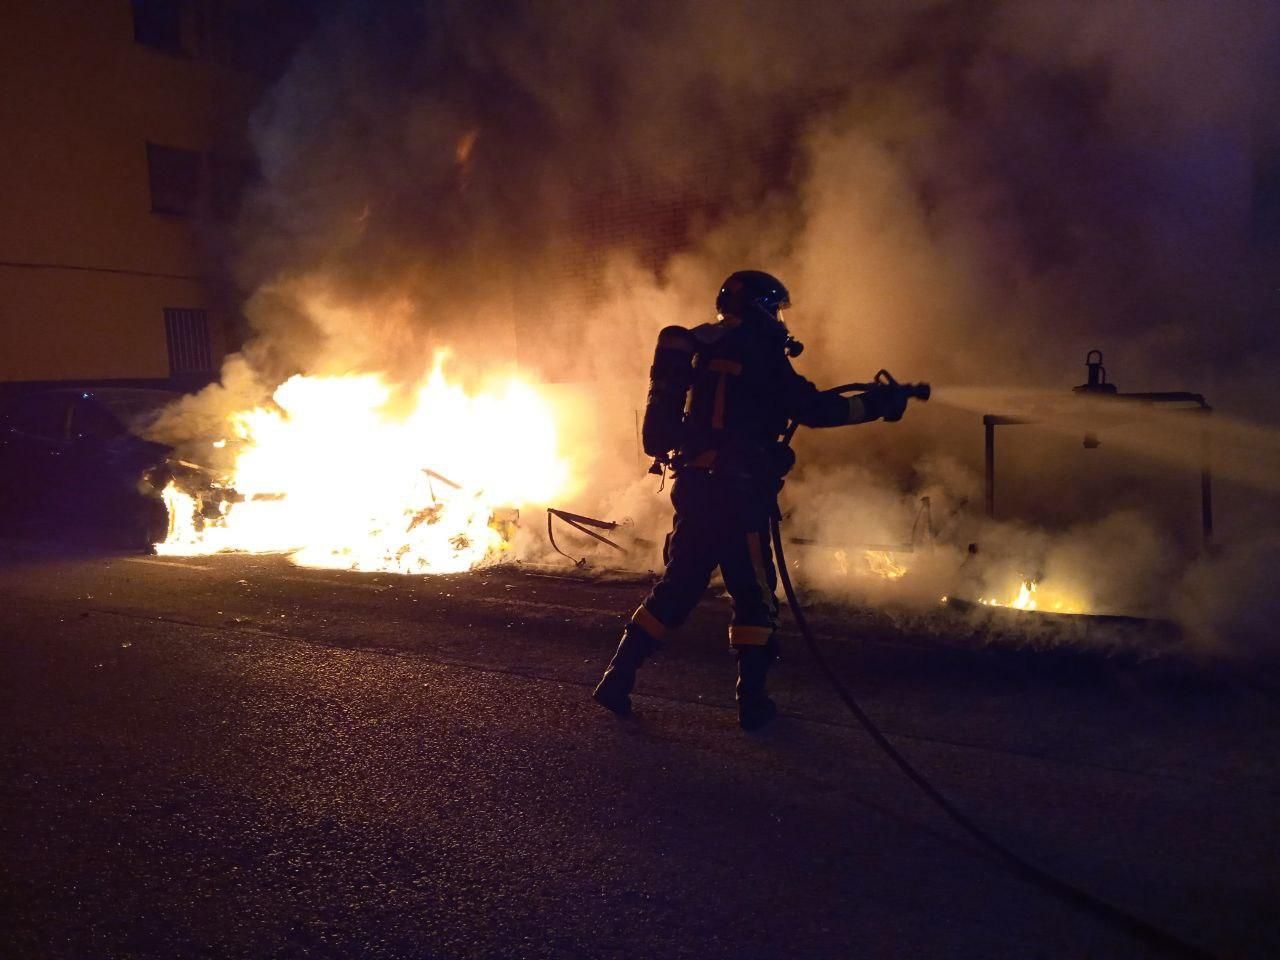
(883, 564)
(331, 476)
(1031, 595)
(1025, 600)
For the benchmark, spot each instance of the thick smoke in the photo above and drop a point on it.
(969, 193)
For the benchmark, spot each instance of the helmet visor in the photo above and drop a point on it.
(785, 305)
(774, 307)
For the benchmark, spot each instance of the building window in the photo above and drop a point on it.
(187, 332)
(158, 24)
(174, 175)
(228, 178)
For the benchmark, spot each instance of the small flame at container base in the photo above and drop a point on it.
(1030, 597)
(1025, 600)
(1028, 594)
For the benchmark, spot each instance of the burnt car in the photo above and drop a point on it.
(75, 465)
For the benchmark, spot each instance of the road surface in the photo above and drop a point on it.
(235, 757)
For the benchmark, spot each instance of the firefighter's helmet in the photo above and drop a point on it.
(751, 288)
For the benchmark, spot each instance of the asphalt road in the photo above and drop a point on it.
(234, 757)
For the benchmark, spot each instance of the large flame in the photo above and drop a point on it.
(331, 475)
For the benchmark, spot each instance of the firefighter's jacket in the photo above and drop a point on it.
(744, 392)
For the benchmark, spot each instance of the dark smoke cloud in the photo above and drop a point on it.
(1038, 177)
(972, 193)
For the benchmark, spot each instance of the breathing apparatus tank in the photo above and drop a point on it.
(669, 380)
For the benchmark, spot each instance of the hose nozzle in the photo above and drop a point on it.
(912, 391)
(917, 391)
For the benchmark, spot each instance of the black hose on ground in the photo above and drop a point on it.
(1108, 913)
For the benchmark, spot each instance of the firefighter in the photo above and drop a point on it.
(720, 397)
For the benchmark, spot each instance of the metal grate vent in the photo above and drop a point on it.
(187, 332)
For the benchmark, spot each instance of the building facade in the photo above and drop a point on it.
(123, 155)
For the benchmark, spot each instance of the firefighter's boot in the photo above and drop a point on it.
(755, 708)
(614, 689)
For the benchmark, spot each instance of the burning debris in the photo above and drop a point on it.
(337, 473)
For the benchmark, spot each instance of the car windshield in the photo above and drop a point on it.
(43, 415)
(136, 409)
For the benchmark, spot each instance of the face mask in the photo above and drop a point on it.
(790, 345)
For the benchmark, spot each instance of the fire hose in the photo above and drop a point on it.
(1109, 913)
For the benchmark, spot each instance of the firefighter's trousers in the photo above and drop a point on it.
(720, 521)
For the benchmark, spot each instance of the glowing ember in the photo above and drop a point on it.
(331, 476)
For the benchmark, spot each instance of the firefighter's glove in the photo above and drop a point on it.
(779, 459)
(885, 403)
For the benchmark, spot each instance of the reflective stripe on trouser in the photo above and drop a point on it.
(755, 611)
(650, 624)
(720, 522)
(749, 635)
